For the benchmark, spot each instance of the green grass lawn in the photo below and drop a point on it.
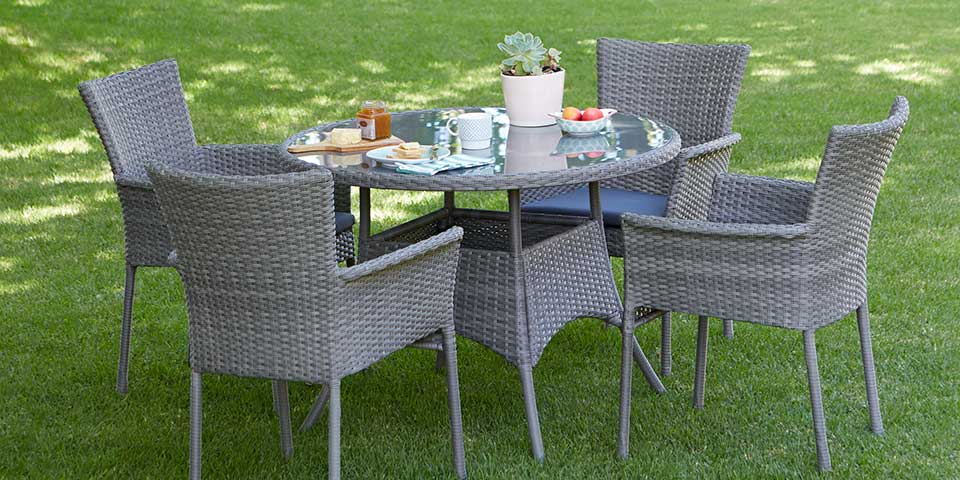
(257, 72)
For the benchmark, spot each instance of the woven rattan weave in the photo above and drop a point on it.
(692, 88)
(141, 116)
(266, 299)
(774, 252)
(521, 278)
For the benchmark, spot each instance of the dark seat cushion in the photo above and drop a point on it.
(344, 221)
(615, 202)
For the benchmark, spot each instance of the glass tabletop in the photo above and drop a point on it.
(525, 151)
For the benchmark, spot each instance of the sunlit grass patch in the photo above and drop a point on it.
(6, 264)
(60, 146)
(261, 7)
(907, 71)
(32, 215)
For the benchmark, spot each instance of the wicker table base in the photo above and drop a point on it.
(521, 278)
(564, 276)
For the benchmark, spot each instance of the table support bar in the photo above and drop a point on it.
(526, 369)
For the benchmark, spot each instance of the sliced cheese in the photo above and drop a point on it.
(410, 146)
(410, 155)
(345, 136)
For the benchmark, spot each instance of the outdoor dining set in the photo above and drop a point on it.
(279, 287)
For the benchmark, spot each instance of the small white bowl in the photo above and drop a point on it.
(581, 127)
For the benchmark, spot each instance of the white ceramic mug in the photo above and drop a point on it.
(475, 130)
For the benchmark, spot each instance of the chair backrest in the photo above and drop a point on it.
(692, 88)
(258, 262)
(845, 193)
(141, 116)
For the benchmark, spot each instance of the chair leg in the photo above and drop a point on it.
(728, 329)
(627, 350)
(666, 345)
(333, 437)
(869, 372)
(196, 423)
(281, 394)
(438, 363)
(816, 401)
(453, 401)
(700, 372)
(652, 379)
(276, 397)
(122, 365)
(317, 409)
(530, 406)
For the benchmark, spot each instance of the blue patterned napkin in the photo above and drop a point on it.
(453, 162)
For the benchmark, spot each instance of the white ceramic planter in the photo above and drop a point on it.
(530, 98)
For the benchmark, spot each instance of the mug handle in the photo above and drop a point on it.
(452, 133)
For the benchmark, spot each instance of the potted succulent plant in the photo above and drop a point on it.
(532, 80)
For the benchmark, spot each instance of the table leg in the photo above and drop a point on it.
(596, 213)
(520, 295)
(364, 222)
(449, 203)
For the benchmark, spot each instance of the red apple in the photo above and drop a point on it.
(591, 114)
(571, 113)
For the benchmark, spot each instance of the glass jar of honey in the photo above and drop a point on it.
(373, 120)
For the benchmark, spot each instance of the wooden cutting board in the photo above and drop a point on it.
(326, 146)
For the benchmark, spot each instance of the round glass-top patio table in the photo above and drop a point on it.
(521, 277)
(523, 157)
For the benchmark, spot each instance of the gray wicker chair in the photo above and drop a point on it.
(776, 252)
(141, 116)
(692, 88)
(266, 299)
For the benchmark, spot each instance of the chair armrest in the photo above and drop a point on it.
(243, 159)
(632, 221)
(397, 299)
(725, 141)
(422, 248)
(697, 168)
(751, 199)
(130, 181)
